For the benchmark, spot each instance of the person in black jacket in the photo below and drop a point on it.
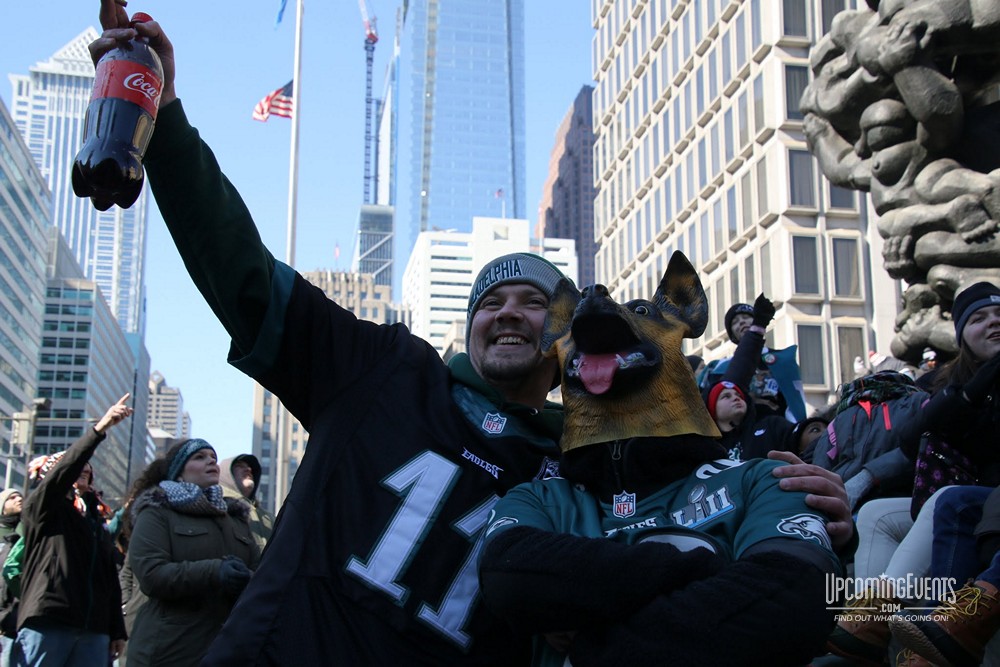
(11, 503)
(70, 610)
(745, 435)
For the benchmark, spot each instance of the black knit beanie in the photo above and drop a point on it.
(737, 309)
(969, 301)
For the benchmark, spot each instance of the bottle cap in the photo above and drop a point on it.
(140, 17)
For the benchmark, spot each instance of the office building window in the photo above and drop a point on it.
(765, 268)
(758, 104)
(801, 182)
(811, 355)
(850, 345)
(746, 193)
(842, 198)
(806, 264)
(762, 202)
(796, 80)
(830, 9)
(846, 274)
(750, 279)
(795, 18)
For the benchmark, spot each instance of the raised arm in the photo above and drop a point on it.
(206, 216)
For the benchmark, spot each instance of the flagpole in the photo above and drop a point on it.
(283, 418)
(293, 167)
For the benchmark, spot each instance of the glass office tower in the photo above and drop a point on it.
(463, 135)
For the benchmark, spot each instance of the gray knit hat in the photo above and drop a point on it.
(518, 267)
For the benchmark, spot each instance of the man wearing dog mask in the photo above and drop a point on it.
(380, 533)
(652, 547)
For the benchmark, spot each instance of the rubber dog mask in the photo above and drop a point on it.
(623, 372)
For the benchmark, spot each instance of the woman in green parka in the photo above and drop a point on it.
(191, 553)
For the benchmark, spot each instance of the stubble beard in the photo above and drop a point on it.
(508, 370)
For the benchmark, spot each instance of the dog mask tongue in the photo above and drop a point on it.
(597, 371)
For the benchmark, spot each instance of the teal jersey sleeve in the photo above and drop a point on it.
(772, 512)
(521, 506)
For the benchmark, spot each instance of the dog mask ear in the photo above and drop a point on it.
(680, 294)
(560, 315)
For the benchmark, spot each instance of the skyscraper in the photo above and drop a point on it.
(462, 138)
(85, 365)
(48, 107)
(24, 217)
(166, 408)
(699, 147)
(567, 207)
(373, 246)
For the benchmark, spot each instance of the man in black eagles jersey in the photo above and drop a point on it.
(373, 556)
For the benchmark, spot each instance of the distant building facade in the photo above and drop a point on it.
(48, 106)
(86, 364)
(24, 217)
(699, 147)
(462, 144)
(166, 408)
(567, 207)
(373, 250)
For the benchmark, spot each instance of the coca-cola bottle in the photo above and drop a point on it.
(119, 124)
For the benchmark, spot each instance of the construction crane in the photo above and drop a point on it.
(371, 37)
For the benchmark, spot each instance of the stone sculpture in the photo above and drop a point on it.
(904, 105)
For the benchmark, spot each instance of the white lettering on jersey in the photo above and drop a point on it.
(715, 467)
(491, 468)
(645, 523)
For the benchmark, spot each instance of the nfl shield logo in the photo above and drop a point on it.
(624, 504)
(494, 423)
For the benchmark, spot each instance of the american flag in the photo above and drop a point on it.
(278, 103)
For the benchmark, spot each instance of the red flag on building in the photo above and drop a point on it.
(278, 103)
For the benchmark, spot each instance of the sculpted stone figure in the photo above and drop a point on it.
(902, 106)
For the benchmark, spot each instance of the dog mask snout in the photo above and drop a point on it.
(595, 291)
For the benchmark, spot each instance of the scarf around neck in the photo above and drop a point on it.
(189, 498)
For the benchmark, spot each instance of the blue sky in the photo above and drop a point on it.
(229, 55)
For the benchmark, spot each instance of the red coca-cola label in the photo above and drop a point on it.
(130, 81)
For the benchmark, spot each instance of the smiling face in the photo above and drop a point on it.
(505, 336)
(982, 333)
(201, 469)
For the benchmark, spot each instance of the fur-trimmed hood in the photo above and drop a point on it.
(237, 508)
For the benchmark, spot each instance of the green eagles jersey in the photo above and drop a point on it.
(725, 506)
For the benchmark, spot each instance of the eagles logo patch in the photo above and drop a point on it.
(806, 527)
